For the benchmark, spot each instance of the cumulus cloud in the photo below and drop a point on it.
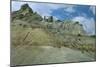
(70, 9)
(92, 8)
(88, 24)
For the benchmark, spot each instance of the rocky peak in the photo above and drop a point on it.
(26, 13)
(26, 9)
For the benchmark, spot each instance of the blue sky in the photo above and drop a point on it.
(85, 14)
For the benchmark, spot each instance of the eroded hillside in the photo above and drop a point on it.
(29, 30)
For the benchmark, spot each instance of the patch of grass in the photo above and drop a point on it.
(36, 36)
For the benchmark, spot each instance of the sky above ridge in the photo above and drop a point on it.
(85, 14)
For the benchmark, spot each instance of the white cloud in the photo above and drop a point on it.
(88, 23)
(70, 9)
(93, 9)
